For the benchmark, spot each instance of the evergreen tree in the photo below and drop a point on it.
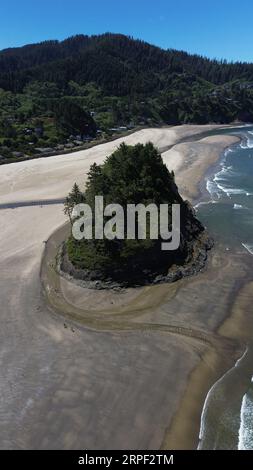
(137, 175)
(74, 197)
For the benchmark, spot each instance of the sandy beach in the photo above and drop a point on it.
(108, 371)
(53, 177)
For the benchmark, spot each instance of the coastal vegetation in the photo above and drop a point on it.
(55, 96)
(131, 175)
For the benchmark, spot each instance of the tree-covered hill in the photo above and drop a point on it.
(116, 80)
(117, 63)
(132, 175)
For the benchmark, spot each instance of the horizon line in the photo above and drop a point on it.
(212, 59)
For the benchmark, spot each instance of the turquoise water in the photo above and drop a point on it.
(228, 214)
(245, 436)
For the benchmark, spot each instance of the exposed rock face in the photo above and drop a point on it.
(188, 260)
(134, 175)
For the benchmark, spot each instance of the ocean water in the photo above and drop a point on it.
(227, 212)
(245, 438)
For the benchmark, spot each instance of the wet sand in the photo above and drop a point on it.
(128, 371)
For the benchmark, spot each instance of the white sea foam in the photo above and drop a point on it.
(225, 171)
(204, 412)
(228, 150)
(239, 206)
(234, 191)
(248, 247)
(205, 407)
(245, 441)
(204, 203)
(248, 143)
(244, 145)
(241, 358)
(213, 189)
(218, 184)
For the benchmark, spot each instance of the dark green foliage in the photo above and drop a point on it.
(7, 129)
(107, 81)
(118, 63)
(74, 197)
(72, 119)
(130, 175)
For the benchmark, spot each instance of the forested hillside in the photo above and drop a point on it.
(104, 83)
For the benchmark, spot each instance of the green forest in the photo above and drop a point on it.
(55, 96)
(131, 175)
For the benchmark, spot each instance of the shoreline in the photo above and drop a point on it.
(87, 279)
(37, 176)
(149, 344)
(218, 358)
(85, 146)
(202, 380)
(96, 142)
(205, 153)
(183, 431)
(203, 192)
(210, 371)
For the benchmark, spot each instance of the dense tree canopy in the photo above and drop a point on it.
(131, 175)
(112, 81)
(72, 119)
(117, 63)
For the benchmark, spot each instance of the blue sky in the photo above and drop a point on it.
(222, 29)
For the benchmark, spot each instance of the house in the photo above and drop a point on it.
(44, 149)
(28, 130)
(69, 145)
(17, 154)
(114, 129)
(39, 131)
